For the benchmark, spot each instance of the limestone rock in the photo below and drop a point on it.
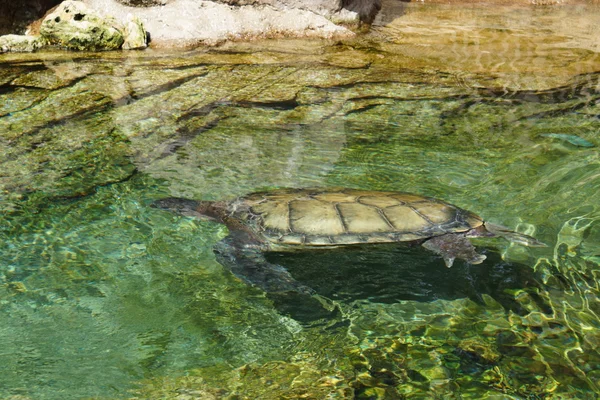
(143, 3)
(134, 34)
(365, 9)
(74, 26)
(342, 11)
(321, 7)
(20, 43)
(190, 23)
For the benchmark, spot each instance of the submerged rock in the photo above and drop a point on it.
(74, 26)
(572, 139)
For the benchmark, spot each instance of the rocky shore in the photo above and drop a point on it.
(133, 24)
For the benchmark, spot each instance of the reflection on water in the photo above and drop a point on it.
(98, 287)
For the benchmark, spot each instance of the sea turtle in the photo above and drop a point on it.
(288, 219)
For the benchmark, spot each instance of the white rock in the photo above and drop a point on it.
(183, 23)
(134, 34)
(20, 43)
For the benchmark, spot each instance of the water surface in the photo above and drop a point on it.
(496, 115)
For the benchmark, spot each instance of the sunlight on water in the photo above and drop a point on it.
(98, 287)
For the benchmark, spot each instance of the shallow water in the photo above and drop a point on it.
(103, 296)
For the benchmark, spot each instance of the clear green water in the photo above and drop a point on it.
(102, 296)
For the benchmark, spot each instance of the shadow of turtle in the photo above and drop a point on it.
(389, 274)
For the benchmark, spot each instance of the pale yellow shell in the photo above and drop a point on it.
(319, 217)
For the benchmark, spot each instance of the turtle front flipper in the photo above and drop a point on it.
(289, 296)
(248, 263)
(452, 246)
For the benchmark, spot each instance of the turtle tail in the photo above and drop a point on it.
(513, 236)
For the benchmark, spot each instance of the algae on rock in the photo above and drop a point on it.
(74, 26)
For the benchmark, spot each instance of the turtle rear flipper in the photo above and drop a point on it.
(513, 236)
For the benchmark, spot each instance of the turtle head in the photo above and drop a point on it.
(204, 210)
(512, 236)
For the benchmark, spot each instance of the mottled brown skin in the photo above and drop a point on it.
(293, 219)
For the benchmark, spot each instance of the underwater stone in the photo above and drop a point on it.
(74, 26)
(20, 43)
